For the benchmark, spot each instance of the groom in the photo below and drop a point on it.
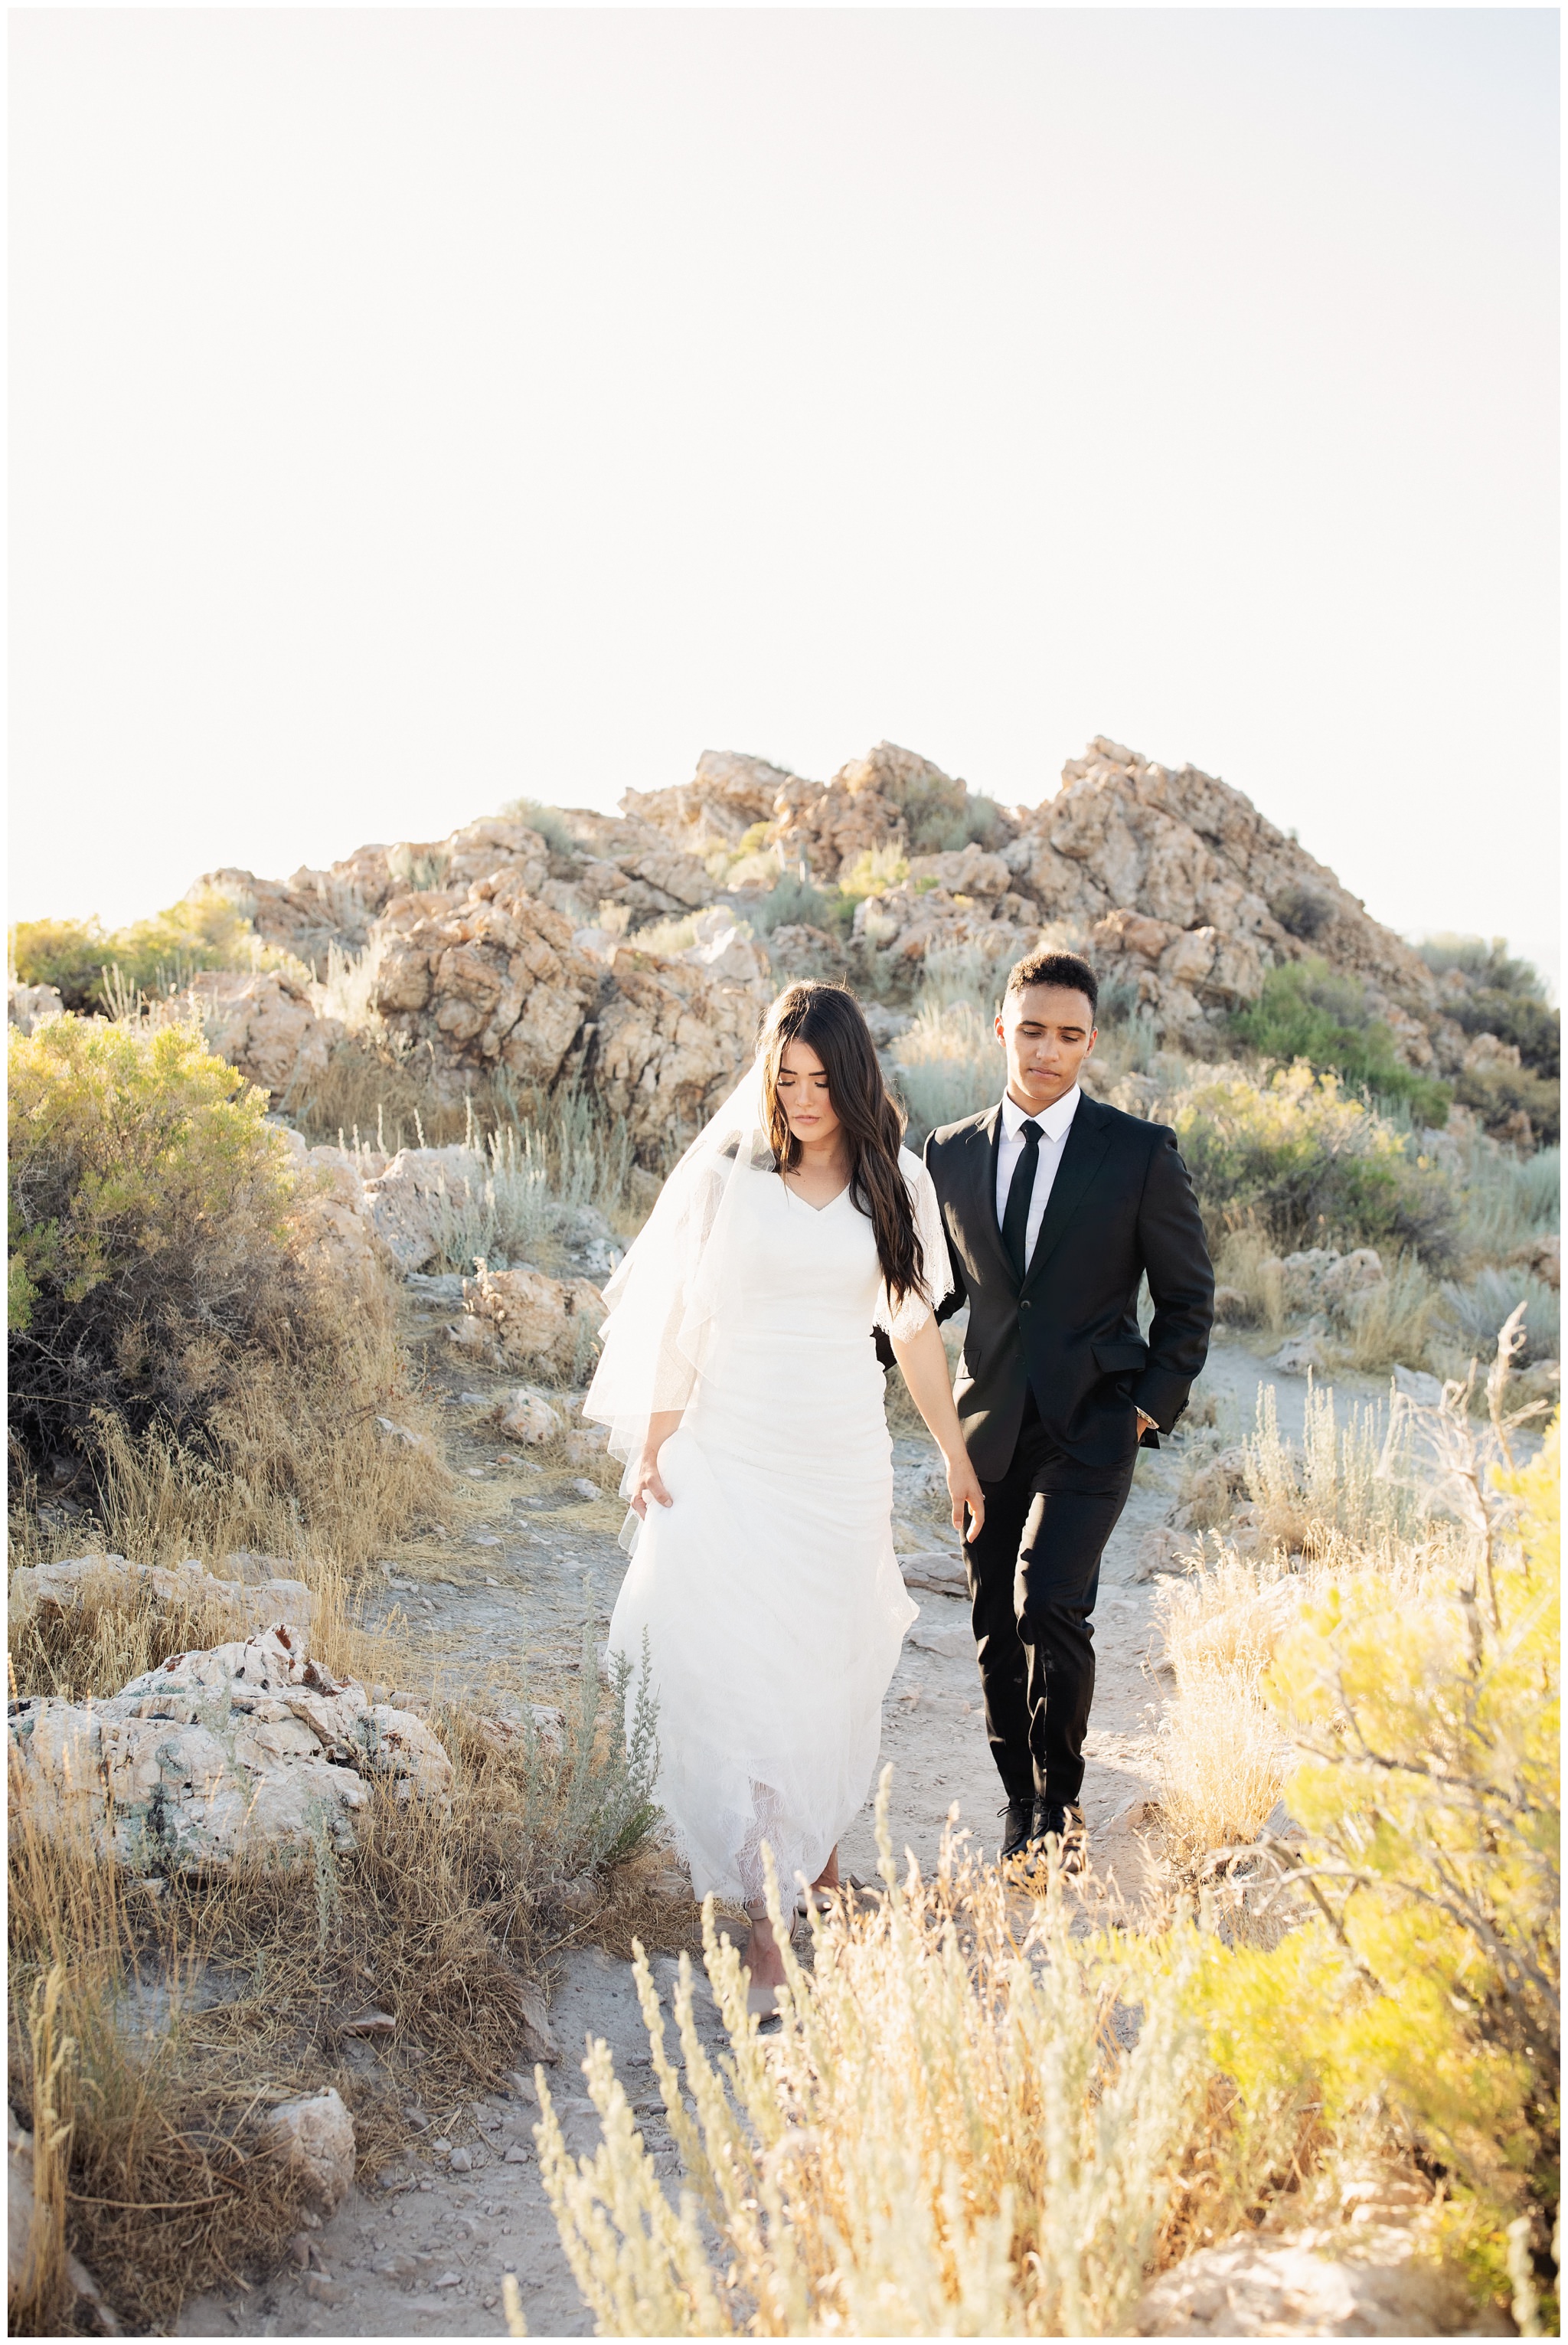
(1054, 1207)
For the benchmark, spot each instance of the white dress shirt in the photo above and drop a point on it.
(1055, 1123)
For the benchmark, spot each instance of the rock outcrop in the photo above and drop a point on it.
(216, 1755)
(266, 1025)
(84, 1582)
(728, 796)
(672, 1038)
(488, 980)
(514, 945)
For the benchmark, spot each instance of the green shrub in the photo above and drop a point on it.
(157, 955)
(791, 901)
(173, 1344)
(1475, 1311)
(549, 821)
(1307, 1161)
(1512, 1101)
(1518, 1018)
(1508, 1198)
(1308, 1010)
(874, 869)
(1490, 963)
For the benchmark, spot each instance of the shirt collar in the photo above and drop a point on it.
(1054, 1122)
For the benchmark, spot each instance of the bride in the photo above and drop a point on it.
(739, 1382)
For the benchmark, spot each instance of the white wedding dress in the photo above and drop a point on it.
(769, 1593)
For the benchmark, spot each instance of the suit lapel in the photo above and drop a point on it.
(980, 1214)
(1082, 1154)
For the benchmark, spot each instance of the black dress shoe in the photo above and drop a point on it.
(1055, 1819)
(1016, 1818)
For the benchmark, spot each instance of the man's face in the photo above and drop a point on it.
(1047, 1031)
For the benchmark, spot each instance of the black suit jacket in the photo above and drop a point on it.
(1121, 1205)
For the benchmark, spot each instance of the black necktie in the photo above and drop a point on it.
(1015, 1220)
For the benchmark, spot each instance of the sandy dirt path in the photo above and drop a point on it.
(423, 2254)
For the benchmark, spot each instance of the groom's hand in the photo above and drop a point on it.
(963, 1489)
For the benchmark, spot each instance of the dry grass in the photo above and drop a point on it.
(904, 1422)
(1342, 1483)
(370, 1093)
(1392, 1324)
(193, 2005)
(296, 1463)
(956, 2132)
(1246, 1260)
(1222, 1759)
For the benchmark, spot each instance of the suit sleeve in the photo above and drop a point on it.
(958, 1294)
(1180, 1283)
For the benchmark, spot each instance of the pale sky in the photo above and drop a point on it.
(409, 409)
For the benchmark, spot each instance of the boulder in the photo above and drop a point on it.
(28, 1007)
(729, 795)
(217, 1755)
(1318, 1278)
(314, 2136)
(527, 1417)
(507, 1734)
(535, 1321)
(20, 2216)
(266, 1025)
(799, 950)
(964, 871)
(724, 950)
(1352, 1275)
(332, 1221)
(107, 1582)
(1300, 1356)
(890, 796)
(412, 1200)
(908, 923)
(1314, 2286)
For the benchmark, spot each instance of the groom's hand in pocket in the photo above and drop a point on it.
(963, 1489)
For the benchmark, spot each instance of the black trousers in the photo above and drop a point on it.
(1034, 1577)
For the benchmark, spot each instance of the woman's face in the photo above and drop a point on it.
(803, 1095)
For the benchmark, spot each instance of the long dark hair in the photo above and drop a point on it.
(827, 1019)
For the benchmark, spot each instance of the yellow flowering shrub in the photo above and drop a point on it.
(1426, 1982)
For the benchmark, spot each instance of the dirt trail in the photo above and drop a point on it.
(523, 1578)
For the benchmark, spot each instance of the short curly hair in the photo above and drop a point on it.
(1062, 969)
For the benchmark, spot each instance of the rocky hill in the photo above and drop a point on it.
(636, 951)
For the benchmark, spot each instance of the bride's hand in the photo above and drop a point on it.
(647, 1483)
(963, 1489)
